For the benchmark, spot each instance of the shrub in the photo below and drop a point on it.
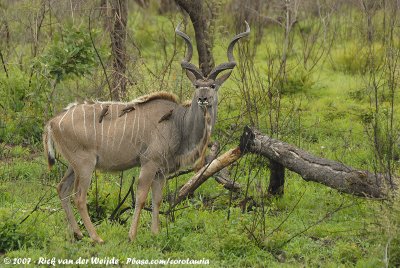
(14, 237)
(353, 58)
(22, 101)
(298, 80)
(347, 252)
(71, 53)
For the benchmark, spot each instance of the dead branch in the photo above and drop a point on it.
(179, 173)
(3, 63)
(207, 171)
(98, 56)
(222, 177)
(330, 173)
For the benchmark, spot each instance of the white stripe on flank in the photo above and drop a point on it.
(123, 131)
(84, 121)
(115, 127)
(109, 126)
(102, 124)
(72, 119)
(94, 125)
(133, 125)
(62, 118)
(144, 124)
(137, 128)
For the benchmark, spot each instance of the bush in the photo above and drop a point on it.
(298, 80)
(347, 252)
(14, 237)
(394, 252)
(354, 59)
(22, 102)
(71, 53)
(22, 170)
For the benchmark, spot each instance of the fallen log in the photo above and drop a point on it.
(330, 173)
(222, 176)
(207, 171)
(282, 155)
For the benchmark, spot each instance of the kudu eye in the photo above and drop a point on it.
(196, 86)
(213, 86)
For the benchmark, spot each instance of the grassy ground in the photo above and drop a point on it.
(311, 225)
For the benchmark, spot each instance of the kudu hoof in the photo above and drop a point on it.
(132, 238)
(98, 240)
(78, 236)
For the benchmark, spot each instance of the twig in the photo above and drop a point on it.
(37, 206)
(4, 64)
(287, 216)
(59, 160)
(326, 216)
(179, 173)
(226, 182)
(114, 213)
(98, 56)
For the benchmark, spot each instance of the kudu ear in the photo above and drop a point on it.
(220, 80)
(191, 76)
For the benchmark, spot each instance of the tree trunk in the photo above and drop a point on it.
(119, 16)
(198, 16)
(276, 179)
(312, 168)
(167, 6)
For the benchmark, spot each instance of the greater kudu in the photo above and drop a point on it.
(153, 131)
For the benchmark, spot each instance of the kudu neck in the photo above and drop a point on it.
(196, 124)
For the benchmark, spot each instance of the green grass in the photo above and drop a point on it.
(310, 225)
(348, 237)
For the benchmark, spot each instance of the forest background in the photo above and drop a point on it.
(322, 75)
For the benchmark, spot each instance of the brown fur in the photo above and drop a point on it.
(155, 96)
(187, 103)
(140, 100)
(203, 147)
(120, 143)
(197, 155)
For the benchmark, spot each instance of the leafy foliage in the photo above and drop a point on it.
(14, 237)
(22, 99)
(326, 112)
(71, 53)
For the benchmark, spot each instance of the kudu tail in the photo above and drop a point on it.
(49, 146)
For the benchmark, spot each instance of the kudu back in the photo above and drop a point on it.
(154, 132)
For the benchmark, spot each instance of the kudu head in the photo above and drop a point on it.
(206, 87)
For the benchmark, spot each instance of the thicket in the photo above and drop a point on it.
(50, 57)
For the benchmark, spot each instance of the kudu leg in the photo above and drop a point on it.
(64, 190)
(146, 177)
(156, 198)
(83, 178)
